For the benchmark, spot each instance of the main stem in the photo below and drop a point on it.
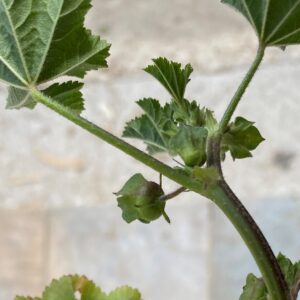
(235, 210)
(253, 237)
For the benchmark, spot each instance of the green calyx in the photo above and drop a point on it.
(140, 200)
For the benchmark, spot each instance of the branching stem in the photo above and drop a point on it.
(173, 194)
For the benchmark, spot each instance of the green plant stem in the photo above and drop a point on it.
(173, 194)
(253, 237)
(241, 90)
(177, 176)
(230, 205)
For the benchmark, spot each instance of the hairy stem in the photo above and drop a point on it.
(219, 193)
(177, 176)
(241, 90)
(253, 237)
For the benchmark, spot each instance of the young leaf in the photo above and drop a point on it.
(241, 138)
(190, 144)
(68, 94)
(44, 40)
(276, 22)
(125, 293)
(189, 114)
(139, 199)
(155, 127)
(255, 289)
(172, 76)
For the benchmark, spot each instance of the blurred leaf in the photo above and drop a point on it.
(291, 271)
(66, 288)
(254, 289)
(276, 22)
(125, 293)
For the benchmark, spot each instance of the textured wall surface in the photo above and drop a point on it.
(58, 214)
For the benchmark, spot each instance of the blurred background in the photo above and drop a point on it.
(58, 214)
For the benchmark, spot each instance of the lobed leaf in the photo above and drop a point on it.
(125, 293)
(66, 288)
(43, 40)
(241, 138)
(255, 289)
(276, 22)
(155, 127)
(68, 94)
(172, 76)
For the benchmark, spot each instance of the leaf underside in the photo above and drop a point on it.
(43, 40)
(276, 22)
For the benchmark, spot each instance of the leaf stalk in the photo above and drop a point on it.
(241, 90)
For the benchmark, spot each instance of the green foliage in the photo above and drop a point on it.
(240, 139)
(68, 94)
(61, 46)
(172, 76)
(190, 144)
(276, 22)
(255, 288)
(291, 270)
(66, 287)
(140, 200)
(181, 127)
(155, 127)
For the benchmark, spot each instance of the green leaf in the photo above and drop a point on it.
(276, 22)
(19, 98)
(190, 144)
(26, 298)
(139, 199)
(155, 127)
(291, 271)
(67, 94)
(66, 288)
(241, 138)
(60, 289)
(125, 293)
(43, 40)
(255, 289)
(172, 76)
